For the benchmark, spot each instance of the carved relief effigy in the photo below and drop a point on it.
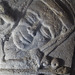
(29, 36)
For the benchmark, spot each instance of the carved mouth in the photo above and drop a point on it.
(25, 39)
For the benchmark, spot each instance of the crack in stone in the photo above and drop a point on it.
(3, 43)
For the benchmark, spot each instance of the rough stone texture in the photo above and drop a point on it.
(17, 61)
(65, 50)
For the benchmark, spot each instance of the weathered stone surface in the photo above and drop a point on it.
(46, 29)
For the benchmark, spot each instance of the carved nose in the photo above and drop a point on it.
(34, 33)
(31, 31)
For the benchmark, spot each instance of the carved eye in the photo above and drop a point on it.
(31, 18)
(54, 63)
(45, 32)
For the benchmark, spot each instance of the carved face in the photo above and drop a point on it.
(47, 22)
(44, 21)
